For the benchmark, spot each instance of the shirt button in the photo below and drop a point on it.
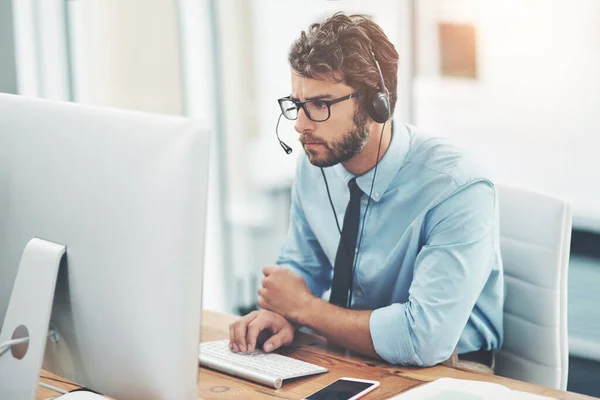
(376, 194)
(365, 202)
(359, 293)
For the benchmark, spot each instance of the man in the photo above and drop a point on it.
(422, 281)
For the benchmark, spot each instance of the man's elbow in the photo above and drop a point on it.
(433, 352)
(397, 342)
(426, 354)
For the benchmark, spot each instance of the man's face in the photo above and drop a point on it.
(339, 138)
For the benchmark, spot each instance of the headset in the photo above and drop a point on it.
(379, 106)
(379, 111)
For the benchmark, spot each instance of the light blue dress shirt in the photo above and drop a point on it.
(429, 263)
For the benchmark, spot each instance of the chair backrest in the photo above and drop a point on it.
(535, 240)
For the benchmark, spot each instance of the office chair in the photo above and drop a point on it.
(535, 240)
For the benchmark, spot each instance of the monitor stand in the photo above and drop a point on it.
(28, 314)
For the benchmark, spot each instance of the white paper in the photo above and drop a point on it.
(461, 389)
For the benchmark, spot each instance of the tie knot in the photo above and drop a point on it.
(354, 189)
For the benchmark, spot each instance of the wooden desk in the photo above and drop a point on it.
(315, 349)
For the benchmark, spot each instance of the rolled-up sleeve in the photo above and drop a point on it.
(301, 251)
(450, 272)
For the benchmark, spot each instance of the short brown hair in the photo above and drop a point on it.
(340, 49)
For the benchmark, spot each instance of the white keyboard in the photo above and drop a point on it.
(265, 368)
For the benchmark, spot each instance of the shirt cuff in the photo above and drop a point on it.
(391, 335)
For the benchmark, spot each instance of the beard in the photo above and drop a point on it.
(351, 143)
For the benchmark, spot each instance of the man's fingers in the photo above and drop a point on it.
(263, 304)
(255, 328)
(240, 336)
(232, 337)
(281, 338)
(268, 270)
(238, 330)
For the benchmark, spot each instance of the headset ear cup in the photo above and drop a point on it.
(379, 107)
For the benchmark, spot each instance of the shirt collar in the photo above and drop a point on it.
(388, 167)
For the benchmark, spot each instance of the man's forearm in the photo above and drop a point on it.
(347, 328)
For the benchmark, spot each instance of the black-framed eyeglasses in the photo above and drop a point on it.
(315, 110)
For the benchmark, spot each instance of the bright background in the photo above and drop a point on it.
(530, 110)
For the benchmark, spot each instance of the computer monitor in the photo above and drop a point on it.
(125, 193)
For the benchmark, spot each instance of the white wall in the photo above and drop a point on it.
(127, 54)
(532, 114)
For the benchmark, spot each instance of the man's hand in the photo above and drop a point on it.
(284, 293)
(244, 333)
